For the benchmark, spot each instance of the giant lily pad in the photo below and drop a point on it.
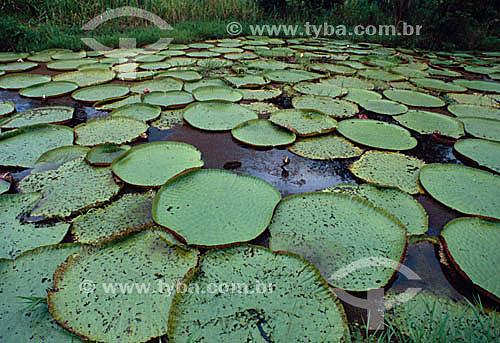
(464, 110)
(18, 66)
(412, 98)
(444, 319)
(113, 104)
(40, 115)
(272, 315)
(17, 238)
(291, 76)
(105, 154)
(377, 134)
(65, 65)
(72, 187)
(130, 213)
(381, 75)
(98, 93)
(389, 169)
(222, 93)
(333, 107)
(465, 189)
(85, 313)
(438, 85)
(359, 96)
(482, 128)
(478, 85)
(325, 148)
(6, 57)
(262, 133)
(217, 115)
(304, 123)
(427, 123)
(472, 245)
(154, 164)
(184, 75)
(386, 107)
(49, 90)
(55, 158)
(261, 94)
(18, 80)
(117, 130)
(399, 204)
(191, 86)
(29, 276)
(142, 112)
(350, 82)
(212, 207)
(165, 84)
(172, 99)
(483, 152)
(474, 99)
(6, 108)
(88, 77)
(22, 147)
(168, 120)
(320, 89)
(335, 231)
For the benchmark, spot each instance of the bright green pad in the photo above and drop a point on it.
(463, 110)
(99, 93)
(191, 86)
(333, 68)
(262, 133)
(333, 231)
(472, 244)
(142, 112)
(389, 169)
(171, 99)
(29, 276)
(105, 154)
(291, 76)
(474, 99)
(6, 108)
(477, 85)
(350, 82)
(40, 115)
(427, 123)
(155, 66)
(19, 80)
(482, 128)
(18, 66)
(117, 130)
(157, 85)
(73, 187)
(6, 57)
(88, 77)
(139, 316)
(399, 204)
(358, 95)
(438, 85)
(467, 190)
(217, 115)
(377, 134)
(261, 94)
(17, 238)
(65, 65)
(169, 119)
(113, 104)
(22, 147)
(222, 93)
(333, 107)
(320, 89)
(381, 75)
(325, 148)
(410, 72)
(247, 81)
(445, 319)
(306, 310)
(54, 158)
(69, 55)
(184, 75)
(49, 89)
(130, 213)
(304, 123)
(156, 163)
(485, 153)
(385, 107)
(412, 98)
(211, 207)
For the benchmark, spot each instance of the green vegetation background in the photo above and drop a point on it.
(28, 25)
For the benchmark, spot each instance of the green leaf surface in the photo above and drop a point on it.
(427, 123)
(116, 130)
(262, 133)
(484, 153)
(217, 115)
(40, 115)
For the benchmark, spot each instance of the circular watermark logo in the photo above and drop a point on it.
(234, 28)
